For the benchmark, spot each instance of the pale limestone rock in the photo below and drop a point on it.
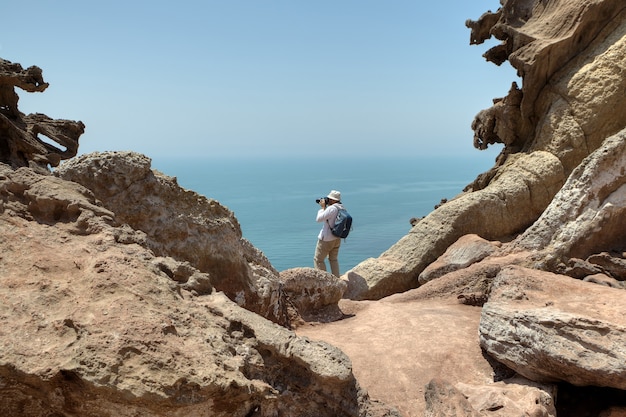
(181, 224)
(314, 293)
(515, 198)
(571, 100)
(549, 327)
(586, 216)
(467, 250)
(583, 100)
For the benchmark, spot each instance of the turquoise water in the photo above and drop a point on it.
(274, 199)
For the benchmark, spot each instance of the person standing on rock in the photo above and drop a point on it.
(327, 243)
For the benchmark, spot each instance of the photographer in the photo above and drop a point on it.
(327, 243)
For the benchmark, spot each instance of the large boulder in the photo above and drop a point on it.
(313, 293)
(586, 216)
(181, 224)
(551, 328)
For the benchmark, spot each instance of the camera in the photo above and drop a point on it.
(322, 198)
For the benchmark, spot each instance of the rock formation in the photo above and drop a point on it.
(313, 293)
(550, 327)
(123, 294)
(108, 301)
(570, 56)
(181, 224)
(20, 143)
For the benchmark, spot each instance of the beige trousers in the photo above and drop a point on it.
(328, 249)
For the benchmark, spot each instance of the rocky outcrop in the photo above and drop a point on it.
(21, 143)
(571, 57)
(514, 200)
(181, 224)
(121, 293)
(586, 216)
(94, 324)
(116, 314)
(514, 397)
(550, 328)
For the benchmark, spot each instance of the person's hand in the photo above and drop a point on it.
(323, 203)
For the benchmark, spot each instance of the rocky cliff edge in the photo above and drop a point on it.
(122, 294)
(524, 270)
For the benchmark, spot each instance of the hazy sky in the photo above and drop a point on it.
(258, 77)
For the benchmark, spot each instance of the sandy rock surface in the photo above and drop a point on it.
(396, 348)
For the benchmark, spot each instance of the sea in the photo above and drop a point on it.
(274, 198)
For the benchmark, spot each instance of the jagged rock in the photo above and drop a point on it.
(181, 224)
(567, 53)
(314, 293)
(586, 216)
(576, 268)
(198, 283)
(467, 250)
(20, 143)
(549, 327)
(570, 56)
(93, 326)
(49, 200)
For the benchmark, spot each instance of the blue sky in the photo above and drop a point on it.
(259, 77)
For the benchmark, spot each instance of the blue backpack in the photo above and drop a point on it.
(343, 224)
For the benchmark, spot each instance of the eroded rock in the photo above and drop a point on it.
(550, 328)
(315, 294)
(571, 58)
(21, 144)
(513, 397)
(93, 323)
(181, 224)
(514, 200)
(444, 400)
(586, 216)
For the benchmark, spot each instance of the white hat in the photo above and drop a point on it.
(334, 195)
